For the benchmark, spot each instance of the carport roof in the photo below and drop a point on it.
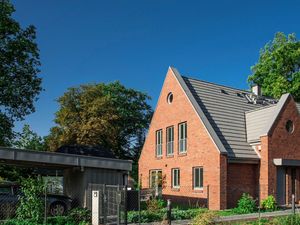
(20, 157)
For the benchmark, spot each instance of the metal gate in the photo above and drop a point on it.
(112, 201)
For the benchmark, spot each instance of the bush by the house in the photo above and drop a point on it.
(31, 205)
(269, 204)
(148, 216)
(246, 204)
(205, 218)
(80, 214)
(156, 204)
(286, 220)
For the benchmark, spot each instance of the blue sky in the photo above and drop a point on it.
(86, 41)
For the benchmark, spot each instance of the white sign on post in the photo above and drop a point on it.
(95, 207)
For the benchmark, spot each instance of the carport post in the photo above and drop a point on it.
(125, 204)
(45, 210)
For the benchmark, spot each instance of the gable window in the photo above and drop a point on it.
(170, 140)
(182, 136)
(158, 141)
(175, 178)
(289, 126)
(198, 178)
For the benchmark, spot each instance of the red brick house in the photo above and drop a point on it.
(209, 143)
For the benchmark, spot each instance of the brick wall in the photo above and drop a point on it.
(241, 178)
(279, 144)
(201, 150)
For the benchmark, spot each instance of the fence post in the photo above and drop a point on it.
(104, 204)
(293, 204)
(139, 205)
(118, 204)
(169, 212)
(45, 212)
(125, 204)
(207, 196)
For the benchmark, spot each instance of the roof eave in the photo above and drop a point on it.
(279, 107)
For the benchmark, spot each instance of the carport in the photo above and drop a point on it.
(78, 170)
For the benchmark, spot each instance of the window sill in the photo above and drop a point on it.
(175, 189)
(170, 156)
(158, 157)
(182, 154)
(198, 190)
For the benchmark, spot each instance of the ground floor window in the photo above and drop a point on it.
(155, 178)
(175, 178)
(198, 178)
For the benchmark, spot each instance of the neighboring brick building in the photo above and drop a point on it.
(209, 143)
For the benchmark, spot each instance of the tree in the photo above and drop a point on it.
(278, 67)
(109, 115)
(29, 140)
(19, 83)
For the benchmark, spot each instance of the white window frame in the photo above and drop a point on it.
(176, 178)
(158, 143)
(182, 137)
(198, 186)
(157, 180)
(170, 140)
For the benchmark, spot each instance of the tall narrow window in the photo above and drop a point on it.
(182, 137)
(170, 140)
(175, 178)
(198, 178)
(155, 179)
(158, 142)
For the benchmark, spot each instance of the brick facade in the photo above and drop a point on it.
(242, 178)
(280, 144)
(201, 151)
(223, 182)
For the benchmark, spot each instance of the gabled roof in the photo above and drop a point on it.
(260, 122)
(222, 110)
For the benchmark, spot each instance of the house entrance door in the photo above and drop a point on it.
(280, 198)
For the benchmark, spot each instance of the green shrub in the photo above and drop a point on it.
(31, 205)
(205, 218)
(269, 204)
(245, 205)
(80, 215)
(148, 216)
(178, 214)
(61, 220)
(19, 222)
(155, 204)
(286, 220)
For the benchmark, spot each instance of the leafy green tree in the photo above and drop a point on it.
(109, 115)
(28, 139)
(278, 67)
(19, 83)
